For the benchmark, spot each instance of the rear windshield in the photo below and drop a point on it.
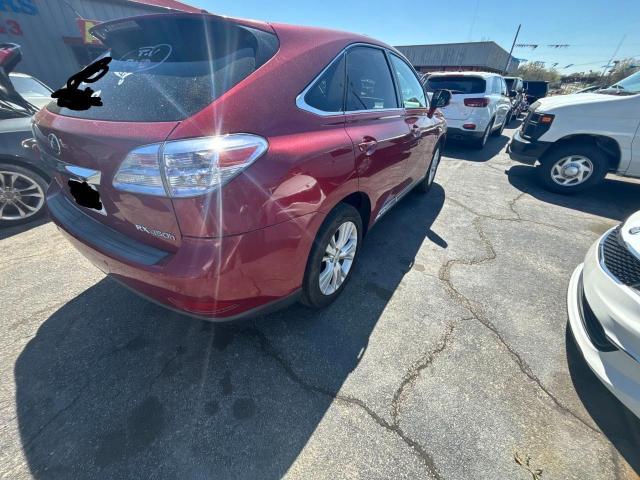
(457, 84)
(167, 69)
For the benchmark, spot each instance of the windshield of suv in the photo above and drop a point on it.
(457, 84)
(167, 69)
(628, 86)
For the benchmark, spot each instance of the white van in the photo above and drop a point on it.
(577, 139)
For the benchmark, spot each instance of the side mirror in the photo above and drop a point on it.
(440, 99)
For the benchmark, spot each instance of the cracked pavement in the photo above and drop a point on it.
(447, 356)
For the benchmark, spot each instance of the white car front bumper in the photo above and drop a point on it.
(604, 316)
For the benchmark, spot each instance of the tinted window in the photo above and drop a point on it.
(327, 94)
(510, 83)
(167, 69)
(369, 83)
(410, 88)
(457, 84)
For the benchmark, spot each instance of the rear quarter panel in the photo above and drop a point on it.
(310, 162)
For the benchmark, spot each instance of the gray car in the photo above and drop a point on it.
(23, 177)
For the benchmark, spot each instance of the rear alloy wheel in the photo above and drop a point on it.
(332, 256)
(572, 168)
(425, 184)
(21, 195)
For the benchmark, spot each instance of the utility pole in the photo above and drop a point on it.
(515, 39)
(608, 65)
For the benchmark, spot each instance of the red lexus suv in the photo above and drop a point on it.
(235, 165)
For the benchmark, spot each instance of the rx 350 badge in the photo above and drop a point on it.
(156, 233)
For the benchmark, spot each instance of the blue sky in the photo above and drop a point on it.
(592, 28)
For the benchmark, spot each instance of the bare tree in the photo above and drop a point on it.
(537, 71)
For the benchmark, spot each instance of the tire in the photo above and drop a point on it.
(498, 132)
(312, 292)
(22, 195)
(559, 160)
(425, 184)
(481, 142)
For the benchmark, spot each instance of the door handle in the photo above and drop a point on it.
(368, 145)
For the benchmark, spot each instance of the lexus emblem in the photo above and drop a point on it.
(634, 231)
(54, 143)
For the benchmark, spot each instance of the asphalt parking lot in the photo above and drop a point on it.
(446, 357)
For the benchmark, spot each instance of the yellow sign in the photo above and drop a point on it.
(85, 26)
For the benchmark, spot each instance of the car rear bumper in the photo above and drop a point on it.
(462, 134)
(526, 151)
(590, 309)
(455, 126)
(217, 279)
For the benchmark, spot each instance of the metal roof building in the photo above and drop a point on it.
(477, 56)
(50, 32)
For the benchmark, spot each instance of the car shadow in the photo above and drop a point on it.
(614, 198)
(8, 232)
(113, 386)
(461, 150)
(616, 421)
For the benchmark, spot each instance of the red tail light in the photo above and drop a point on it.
(476, 102)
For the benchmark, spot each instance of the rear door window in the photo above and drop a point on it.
(327, 93)
(369, 82)
(457, 84)
(167, 69)
(412, 92)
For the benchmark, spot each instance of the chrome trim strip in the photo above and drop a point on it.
(88, 175)
(631, 249)
(387, 206)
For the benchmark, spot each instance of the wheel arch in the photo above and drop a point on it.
(21, 162)
(361, 202)
(606, 144)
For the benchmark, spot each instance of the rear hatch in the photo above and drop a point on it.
(462, 87)
(164, 69)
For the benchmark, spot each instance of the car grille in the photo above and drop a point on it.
(623, 265)
(530, 124)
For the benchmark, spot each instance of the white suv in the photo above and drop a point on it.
(480, 104)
